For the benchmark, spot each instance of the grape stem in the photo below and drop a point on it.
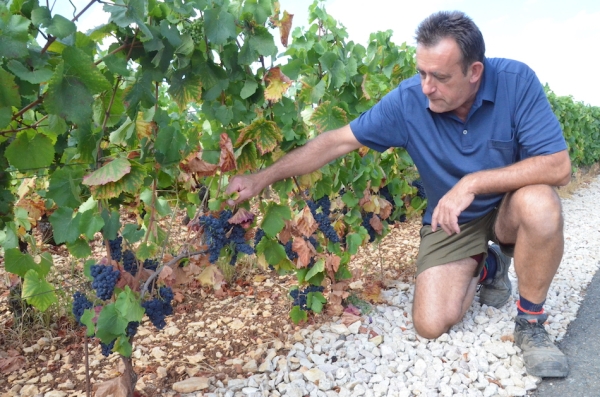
(170, 264)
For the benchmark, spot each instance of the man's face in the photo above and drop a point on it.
(443, 80)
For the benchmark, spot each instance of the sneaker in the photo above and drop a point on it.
(495, 292)
(541, 357)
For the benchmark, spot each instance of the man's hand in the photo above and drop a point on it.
(450, 207)
(247, 186)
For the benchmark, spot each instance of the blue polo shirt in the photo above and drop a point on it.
(510, 120)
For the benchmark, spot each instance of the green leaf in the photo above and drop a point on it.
(274, 218)
(219, 26)
(14, 35)
(125, 13)
(111, 324)
(64, 225)
(81, 65)
(9, 90)
(65, 186)
(30, 151)
(80, 248)
(61, 27)
(262, 41)
(169, 144)
(122, 134)
(273, 251)
(350, 199)
(249, 89)
(132, 234)
(110, 172)
(5, 117)
(297, 315)
(31, 76)
(353, 242)
(185, 88)
(112, 224)
(142, 92)
(18, 263)
(123, 346)
(147, 251)
(68, 97)
(37, 291)
(264, 133)
(128, 305)
(261, 10)
(328, 117)
(318, 267)
(87, 319)
(41, 16)
(315, 301)
(91, 223)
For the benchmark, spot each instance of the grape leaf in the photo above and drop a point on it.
(227, 160)
(61, 27)
(297, 315)
(37, 291)
(30, 150)
(9, 90)
(318, 267)
(247, 159)
(80, 65)
(260, 10)
(130, 183)
(112, 224)
(219, 25)
(185, 88)
(80, 248)
(328, 117)
(14, 35)
(64, 225)
(110, 172)
(273, 252)
(87, 319)
(68, 97)
(249, 89)
(265, 134)
(285, 26)
(41, 16)
(124, 348)
(274, 218)
(128, 305)
(65, 186)
(353, 242)
(169, 143)
(18, 263)
(111, 324)
(278, 83)
(32, 76)
(91, 223)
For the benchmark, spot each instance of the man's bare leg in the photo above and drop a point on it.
(443, 294)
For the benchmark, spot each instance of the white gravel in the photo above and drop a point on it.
(476, 358)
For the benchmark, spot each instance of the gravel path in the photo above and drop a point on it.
(382, 355)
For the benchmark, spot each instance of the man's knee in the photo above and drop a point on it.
(538, 207)
(432, 326)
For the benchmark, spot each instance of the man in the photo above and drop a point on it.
(489, 151)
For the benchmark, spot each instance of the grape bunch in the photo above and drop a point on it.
(385, 193)
(129, 262)
(107, 349)
(80, 303)
(300, 296)
(158, 308)
(151, 264)
(195, 30)
(116, 248)
(367, 225)
(322, 218)
(291, 254)
(131, 329)
(219, 233)
(105, 278)
(420, 189)
(258, 236)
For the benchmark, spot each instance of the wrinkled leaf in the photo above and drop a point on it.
(110, 172)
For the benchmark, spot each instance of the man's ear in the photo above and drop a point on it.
(476, 71)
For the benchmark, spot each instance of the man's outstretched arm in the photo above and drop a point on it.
(304, 160)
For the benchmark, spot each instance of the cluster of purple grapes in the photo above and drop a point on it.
(219, 233)
(129, 262)
(291, 254)
(420, 189)
(300, 296)
(258, 236)
(80, 304)
(107, 349)
(150, 264)
(105, 278)
(367, 225)
(131, 329)
(116, 248)
(322, 218)
(160, 307)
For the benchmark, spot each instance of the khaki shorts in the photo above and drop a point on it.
(437, 248)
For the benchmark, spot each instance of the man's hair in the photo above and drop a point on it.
(455, 25)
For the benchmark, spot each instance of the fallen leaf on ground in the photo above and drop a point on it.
(116, 387)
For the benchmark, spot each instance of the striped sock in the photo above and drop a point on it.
(526, 307)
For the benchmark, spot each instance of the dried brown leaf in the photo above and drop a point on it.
(349, 318)
(211, 276)
(376, 224)
(385, 208)
(116, 387)
(306, 223)
(11, 364)
(332, 264)
(227, 160)
(194, 163)
(305, 252)
(242, 216)
(167, 275)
